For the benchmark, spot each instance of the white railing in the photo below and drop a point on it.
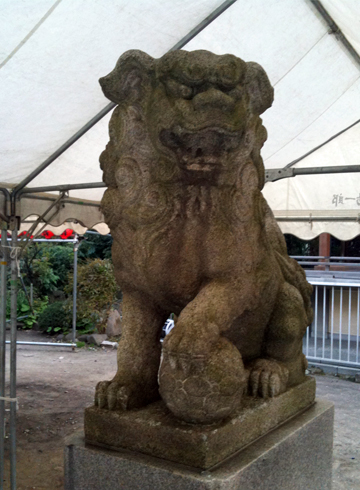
(334, 336)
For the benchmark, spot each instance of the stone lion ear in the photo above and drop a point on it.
(130, 78)
(258, 86)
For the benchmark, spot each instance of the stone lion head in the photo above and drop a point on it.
(200, 107)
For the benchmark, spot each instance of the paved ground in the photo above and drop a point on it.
(346, 397)
(55, 384)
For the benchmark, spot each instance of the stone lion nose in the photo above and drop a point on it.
(213, 98)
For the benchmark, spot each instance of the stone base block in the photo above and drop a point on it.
(295, 456)
(153, 430)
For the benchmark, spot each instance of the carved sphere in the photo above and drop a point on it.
(199, 390)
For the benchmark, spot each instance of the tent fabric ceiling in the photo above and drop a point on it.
(53, 53)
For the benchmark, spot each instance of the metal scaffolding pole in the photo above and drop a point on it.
(76, 248)
(3, 271)
(13, 334)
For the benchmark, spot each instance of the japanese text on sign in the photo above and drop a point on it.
(339, 199)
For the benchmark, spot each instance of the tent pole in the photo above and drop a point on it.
(203, 24)
(6, 192)
(3, 275)
(310, 218)
(76, 201)
(274, 174)
(13, 334)
(62, 187)
(322, 144)
(76, 248)
(62, 148)
(336, 30)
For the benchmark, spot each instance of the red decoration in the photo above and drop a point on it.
(47, 234)
(23, 234)
(67, 234)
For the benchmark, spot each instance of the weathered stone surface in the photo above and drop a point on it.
(194, 236)
(155, 431)
(69, 336)
(295, 456)
(113, 326)
(97, 338)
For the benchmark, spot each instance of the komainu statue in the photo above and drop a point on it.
(194, 236)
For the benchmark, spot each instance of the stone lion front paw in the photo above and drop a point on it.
(191, 338)
(112, 395)
(117, 395)
(268, 378)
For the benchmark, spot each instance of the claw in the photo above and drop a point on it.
(100, 394)
(111, 397)
(101, 401)
(274, 385)
(268, 378)
(254, 382)
(122, 398)
(265, 375)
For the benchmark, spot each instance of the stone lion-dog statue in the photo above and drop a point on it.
(194, 236)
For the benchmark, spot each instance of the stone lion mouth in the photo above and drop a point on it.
(200, 150)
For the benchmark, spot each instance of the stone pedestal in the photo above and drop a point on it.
(295, 456)
(155, 431)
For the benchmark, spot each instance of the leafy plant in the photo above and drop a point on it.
(37, 270)
(38, 307)
(24, 309)
(96, 292)
(61, 259)
(55, 318)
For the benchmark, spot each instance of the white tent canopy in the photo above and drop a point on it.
(53, 52)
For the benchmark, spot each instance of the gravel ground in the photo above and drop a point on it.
(55, 384)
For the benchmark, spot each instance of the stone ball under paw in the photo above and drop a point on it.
(199, 389)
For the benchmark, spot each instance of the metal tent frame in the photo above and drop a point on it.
(12, 222)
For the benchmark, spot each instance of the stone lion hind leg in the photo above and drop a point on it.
(138, 357)
(283, 363)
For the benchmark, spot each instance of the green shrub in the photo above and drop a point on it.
(55, 318)
(96, 292)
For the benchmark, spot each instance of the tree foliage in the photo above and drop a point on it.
(95, 247)
(49, 268)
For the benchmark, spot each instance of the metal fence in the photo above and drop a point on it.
(333, 338)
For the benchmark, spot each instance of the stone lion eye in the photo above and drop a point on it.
(234, 92)
(229, 75)
(225, 88)
(177, 89)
